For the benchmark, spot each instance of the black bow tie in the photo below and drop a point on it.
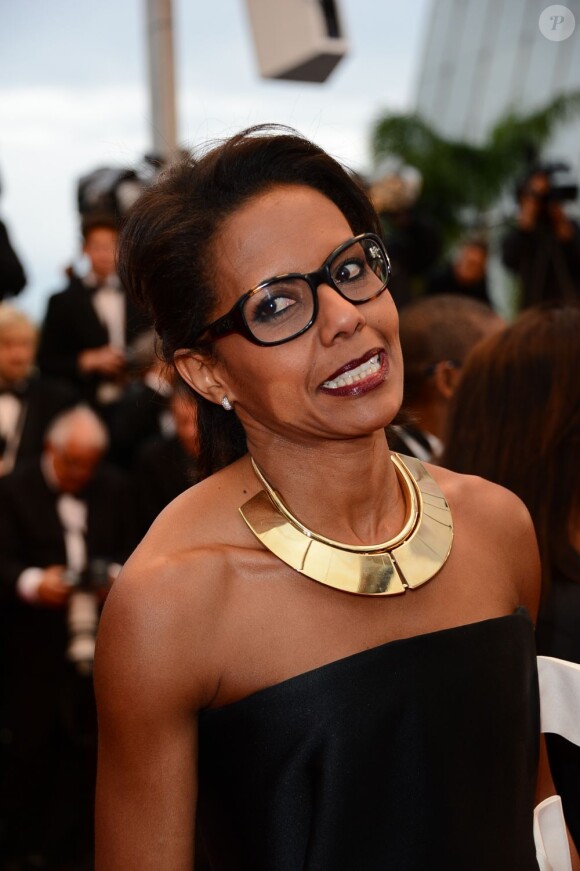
(17, 390)
(94, 288)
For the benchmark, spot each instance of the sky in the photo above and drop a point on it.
(73, 97)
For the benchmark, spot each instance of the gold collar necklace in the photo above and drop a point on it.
(404, 562)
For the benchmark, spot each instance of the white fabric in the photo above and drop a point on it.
(9, 413)
(167, 423)
(114, 570)
(552, 849)
(419, 450)
(83, 618)
(109, 304)
(158, 383)
(108, 392)
(73, 516)
(28, 583)
(559, 683)
(10, 429)
(560, 697)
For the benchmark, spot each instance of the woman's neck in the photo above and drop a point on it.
(347, 490)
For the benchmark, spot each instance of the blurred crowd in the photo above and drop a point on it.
(502, 400)
(539, 248)
(95, 440)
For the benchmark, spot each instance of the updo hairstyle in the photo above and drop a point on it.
(166, 244)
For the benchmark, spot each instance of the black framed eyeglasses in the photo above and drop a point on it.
(283, 307)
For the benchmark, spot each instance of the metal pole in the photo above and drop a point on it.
(161, 77)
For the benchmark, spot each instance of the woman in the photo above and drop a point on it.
(240, 670)
(516, 421)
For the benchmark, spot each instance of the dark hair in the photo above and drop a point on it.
(438, 328)
(165, 251)
(515, 420)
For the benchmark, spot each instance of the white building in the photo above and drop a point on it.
(483, 58)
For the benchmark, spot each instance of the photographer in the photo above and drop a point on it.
(90, 326)
(58, 514)
(543, 249)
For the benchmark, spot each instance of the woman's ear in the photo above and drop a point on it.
(200, 372)
(446, 375)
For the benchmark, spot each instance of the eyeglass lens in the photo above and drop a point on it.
(283, 307)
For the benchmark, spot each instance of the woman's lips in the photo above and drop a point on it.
(358, 376)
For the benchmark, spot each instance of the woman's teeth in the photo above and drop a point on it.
(353, 376)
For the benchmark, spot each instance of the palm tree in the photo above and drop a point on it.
(459, 176)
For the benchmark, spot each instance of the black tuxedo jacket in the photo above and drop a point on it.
(137, 420)
(43, 400)
(163, 470)
(46, 708)
(40, 693)
(33, 637)
(71, 325)
(30, 530)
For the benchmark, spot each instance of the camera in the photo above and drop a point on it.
(562, 186)
(83, 613)
(112, 190)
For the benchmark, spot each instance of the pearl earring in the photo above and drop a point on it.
(226, 404)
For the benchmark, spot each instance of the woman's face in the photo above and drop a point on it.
(310, 387)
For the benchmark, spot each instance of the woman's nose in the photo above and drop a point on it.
(337, 316)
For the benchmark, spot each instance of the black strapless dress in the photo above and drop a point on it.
(416, 755)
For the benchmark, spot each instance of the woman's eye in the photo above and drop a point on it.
(272, 307)
(349, 271)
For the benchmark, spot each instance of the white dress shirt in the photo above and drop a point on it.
(72, 513)
(10, 429)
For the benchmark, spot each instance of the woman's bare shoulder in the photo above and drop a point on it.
(479, 496)
(206, 514)
(189, 545)
(156, 626)
(494, 520)
(165, 607)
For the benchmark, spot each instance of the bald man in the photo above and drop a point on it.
(61, 515)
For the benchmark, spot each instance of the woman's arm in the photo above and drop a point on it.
(147, 693)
